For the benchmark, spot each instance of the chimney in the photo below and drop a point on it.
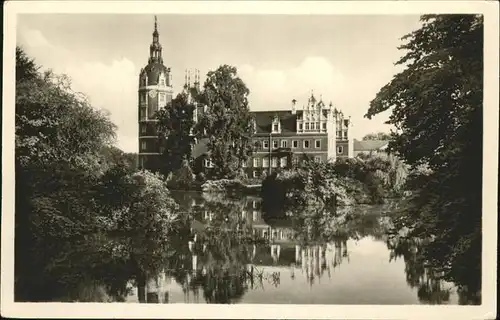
(294, 102)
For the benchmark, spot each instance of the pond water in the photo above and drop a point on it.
(237, 253)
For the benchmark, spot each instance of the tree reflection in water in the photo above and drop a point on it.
(232, 244)
(432, 288)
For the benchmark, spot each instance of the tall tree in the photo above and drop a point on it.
(175, 130)
(227, 121)
(58, 142)
(437, 110)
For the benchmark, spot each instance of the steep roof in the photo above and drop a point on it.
(369, 145)
(264, 120)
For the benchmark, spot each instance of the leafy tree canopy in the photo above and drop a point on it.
(175, 130)
(227, 120)
(377, 136)
(436, 105)
(81, 210)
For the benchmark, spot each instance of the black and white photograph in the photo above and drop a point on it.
(278, 162)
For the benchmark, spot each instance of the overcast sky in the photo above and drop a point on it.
(344, 58)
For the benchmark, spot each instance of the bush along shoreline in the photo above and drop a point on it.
(346, 182)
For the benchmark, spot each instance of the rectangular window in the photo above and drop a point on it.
(306, 144)
(255, 174)
(255, 214)
(265, 162)
(254, 204)
(142, 113)
(340, 150)
(265, 144)
(143, 145)
(339, 134)
(345, 135)
(275, 144)
(317, 125)
(283, 162)
(275, 128)
(300, 126)
(317, 159)
(162, 82)
(307, 126)
(256, 162)
(317, 143)
(275, 162)
(143, 129)
(295, 144)
(283, 143)
(324, 125)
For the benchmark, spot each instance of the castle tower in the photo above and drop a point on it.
(155, 92)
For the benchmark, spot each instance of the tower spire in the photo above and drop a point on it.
(155, 47)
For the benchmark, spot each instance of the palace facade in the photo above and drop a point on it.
(311, 130)
(315, 131)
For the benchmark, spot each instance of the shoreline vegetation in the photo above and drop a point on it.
(85, 216)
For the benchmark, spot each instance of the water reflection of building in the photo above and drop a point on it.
(275, 243)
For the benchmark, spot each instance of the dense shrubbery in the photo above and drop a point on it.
(82, 215)
(369, 179)
(223, 185)
(183, 178)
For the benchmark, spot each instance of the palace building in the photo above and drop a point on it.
(316, 132)
(283, 138)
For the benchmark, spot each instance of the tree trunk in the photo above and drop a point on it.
(141, 287)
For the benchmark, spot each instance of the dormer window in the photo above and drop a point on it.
(276, 126)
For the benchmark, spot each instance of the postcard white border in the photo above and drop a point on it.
(258, 311)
